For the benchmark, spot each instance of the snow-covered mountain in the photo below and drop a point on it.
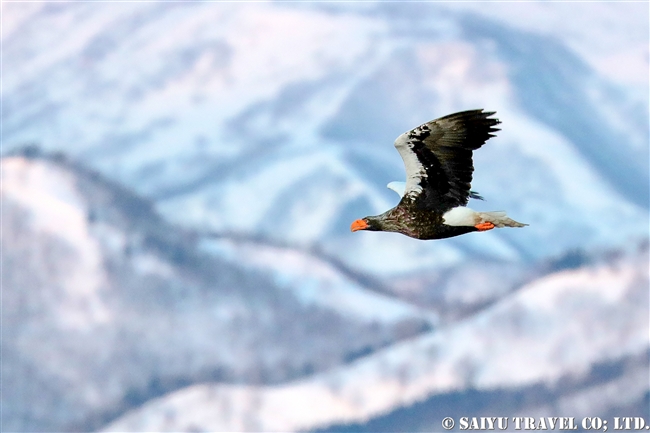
(551, 336)
(278, 119)
(177, 255)
(105, 305)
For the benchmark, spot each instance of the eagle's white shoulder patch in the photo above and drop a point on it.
(414, 169)
(398, 187)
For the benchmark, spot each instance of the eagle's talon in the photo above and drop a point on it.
(484, 226)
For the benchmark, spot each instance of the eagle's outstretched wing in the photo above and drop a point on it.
(437, 156)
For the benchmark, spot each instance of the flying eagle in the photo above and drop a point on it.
(437, 156)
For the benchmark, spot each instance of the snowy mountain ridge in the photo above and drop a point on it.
(149, 291)
(105, 305)
(226, 132)
(189, 266)
(520, 341)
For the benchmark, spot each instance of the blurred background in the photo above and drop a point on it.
(178, 182)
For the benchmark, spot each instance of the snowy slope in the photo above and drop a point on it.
(105, 305)
(278, 119)
(553, 330)
(270, 125)
(316, 282)
(619, 54)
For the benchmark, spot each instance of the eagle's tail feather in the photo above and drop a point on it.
(499, 219)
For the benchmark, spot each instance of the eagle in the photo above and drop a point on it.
(437, 156)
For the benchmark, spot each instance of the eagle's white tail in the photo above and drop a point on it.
(464, 216)
(499, 219)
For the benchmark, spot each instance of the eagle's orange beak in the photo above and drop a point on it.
(358, 225)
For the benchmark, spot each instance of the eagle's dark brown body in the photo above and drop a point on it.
(407, 219)
(437, 156)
